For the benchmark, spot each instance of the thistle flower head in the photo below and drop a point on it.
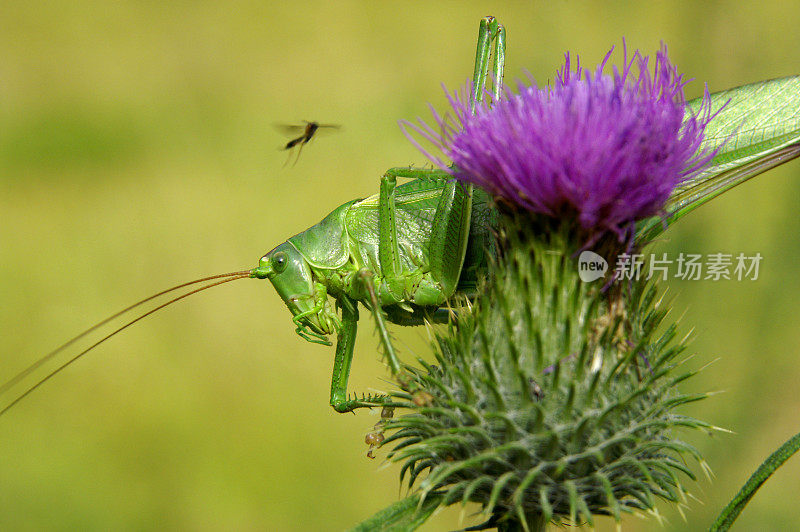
(554, 399)
(607, 149)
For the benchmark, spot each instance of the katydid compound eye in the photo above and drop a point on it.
(279, 262)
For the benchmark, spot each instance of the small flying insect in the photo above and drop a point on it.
(306, 132)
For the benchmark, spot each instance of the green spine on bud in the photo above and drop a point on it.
(553, 399)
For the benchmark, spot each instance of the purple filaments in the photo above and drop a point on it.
(607, 149)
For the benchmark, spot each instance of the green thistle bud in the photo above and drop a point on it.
(553, 399)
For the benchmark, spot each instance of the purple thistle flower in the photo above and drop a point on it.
(608, 149)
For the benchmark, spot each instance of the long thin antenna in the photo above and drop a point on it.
(36, 365)
(233, 276)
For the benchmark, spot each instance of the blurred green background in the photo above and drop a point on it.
(137, 151)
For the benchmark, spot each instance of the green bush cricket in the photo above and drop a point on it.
(404, 252)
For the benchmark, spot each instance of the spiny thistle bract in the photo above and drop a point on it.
(551, 399)
(554, 399)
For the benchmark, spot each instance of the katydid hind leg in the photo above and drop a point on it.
(482, 59)
(491, 42)
(409, 172)
(388, 248)
(450, 235)
(451, 225)
(499, 62)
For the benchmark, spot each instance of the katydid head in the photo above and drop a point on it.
(293, 279)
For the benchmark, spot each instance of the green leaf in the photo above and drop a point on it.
(757, 129)
(735, 507)
(403, 516)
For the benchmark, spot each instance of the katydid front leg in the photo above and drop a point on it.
(320, 300)
(345, 342)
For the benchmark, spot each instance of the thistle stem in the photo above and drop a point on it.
(536, 523)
